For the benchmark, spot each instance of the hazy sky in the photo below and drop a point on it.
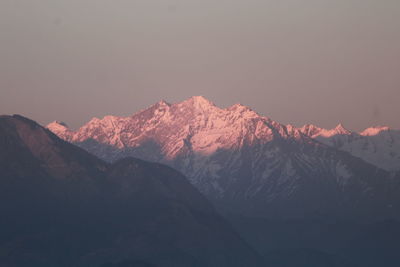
(297, 61)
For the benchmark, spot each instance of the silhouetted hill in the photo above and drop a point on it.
(61, 206)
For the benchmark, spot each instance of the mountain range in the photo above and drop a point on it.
(61, 206)
(249, 164)
(300, 196)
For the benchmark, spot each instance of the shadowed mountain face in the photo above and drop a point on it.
(321, 243)
(245, 163)
(61, 206)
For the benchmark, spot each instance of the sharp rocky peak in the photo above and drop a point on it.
(159, 105)
(315, 131)
(240, 108)
(311, 130)
(340, 129)
(198, 102)
(163, 103)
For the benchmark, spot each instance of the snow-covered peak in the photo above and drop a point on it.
(374, 130)
(329, 137)
(60, 129)
(238, 106)
(311, 130)
(242, 111)
(110, 118)
(161, 105)
(199, 102)
(59, 125)
(200, 99)
(292, 130)
(321, 132)
(94, 122)
(340, 129)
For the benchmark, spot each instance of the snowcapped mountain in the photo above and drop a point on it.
(244, 161)
(379, 146)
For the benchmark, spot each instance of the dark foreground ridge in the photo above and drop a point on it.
(61, 206)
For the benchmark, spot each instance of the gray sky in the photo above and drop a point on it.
(308, 61)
